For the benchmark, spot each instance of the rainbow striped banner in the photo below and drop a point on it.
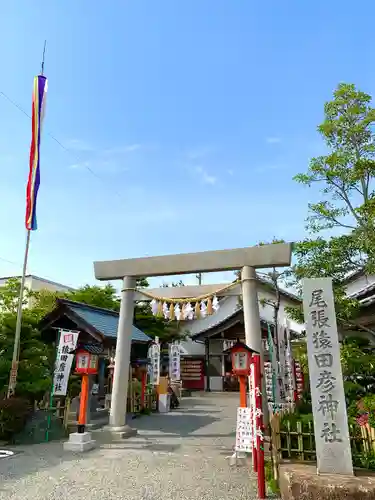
(38, 107)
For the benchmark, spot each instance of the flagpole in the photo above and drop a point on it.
(17, 335)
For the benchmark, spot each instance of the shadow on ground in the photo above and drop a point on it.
(32, 459)
(173, 423)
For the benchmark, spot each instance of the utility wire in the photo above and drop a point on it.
(67, 150)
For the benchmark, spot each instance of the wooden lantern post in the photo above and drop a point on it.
(86, 364)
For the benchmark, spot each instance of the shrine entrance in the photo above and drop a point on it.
(178, 300)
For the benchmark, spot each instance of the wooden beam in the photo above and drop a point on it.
(273, 255)
(181, 292)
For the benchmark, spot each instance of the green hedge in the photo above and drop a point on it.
(14, 413)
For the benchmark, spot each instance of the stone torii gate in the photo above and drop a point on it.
(128, 270)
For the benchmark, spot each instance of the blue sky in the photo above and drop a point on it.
(193, 115)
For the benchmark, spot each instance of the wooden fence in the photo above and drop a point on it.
(60, 411)
(294, 439)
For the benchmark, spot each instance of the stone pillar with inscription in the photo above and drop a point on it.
(327, 387)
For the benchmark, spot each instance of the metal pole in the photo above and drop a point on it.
(17, 335)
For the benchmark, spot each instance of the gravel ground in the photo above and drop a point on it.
(181, 455)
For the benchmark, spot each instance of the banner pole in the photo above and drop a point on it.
(17, 335)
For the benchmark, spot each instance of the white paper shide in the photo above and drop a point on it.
(64, 360)
(327, 387)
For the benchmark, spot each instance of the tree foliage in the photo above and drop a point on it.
(358, 366)
(36, 358)
(346, 207)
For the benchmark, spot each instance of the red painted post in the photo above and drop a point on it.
(83, 403)
(253, 408)
(259, 428)
(243, 395)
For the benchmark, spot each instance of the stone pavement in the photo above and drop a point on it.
(180, 455)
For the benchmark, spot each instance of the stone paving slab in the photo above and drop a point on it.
(182, 455)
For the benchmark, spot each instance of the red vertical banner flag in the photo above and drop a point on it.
(38, 107)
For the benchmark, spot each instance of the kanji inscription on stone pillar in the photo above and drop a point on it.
(326, 381)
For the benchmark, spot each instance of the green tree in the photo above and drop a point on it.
(95, 295)
(106, 297)
(35, 357)
(9, 296)
(358, 367)
(346, 209)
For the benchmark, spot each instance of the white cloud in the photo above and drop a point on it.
(83, 164)
(199, 153)
(78, 145)
(99, 165)
(132, 147)
(273, 140)
(118, 150)
(205, 176)
(266, 168)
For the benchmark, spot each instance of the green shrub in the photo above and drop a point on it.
(306, 420)
(14, 413)
(364, 460)
(270, 480)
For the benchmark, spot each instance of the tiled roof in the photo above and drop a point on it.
(104, 321)
(229, 306)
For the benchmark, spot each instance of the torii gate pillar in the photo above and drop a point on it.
(117, 416)
(246, 259)
(250, 307)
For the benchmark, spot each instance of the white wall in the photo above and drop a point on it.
(191, 348)
(36, 284)
(267, 310)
